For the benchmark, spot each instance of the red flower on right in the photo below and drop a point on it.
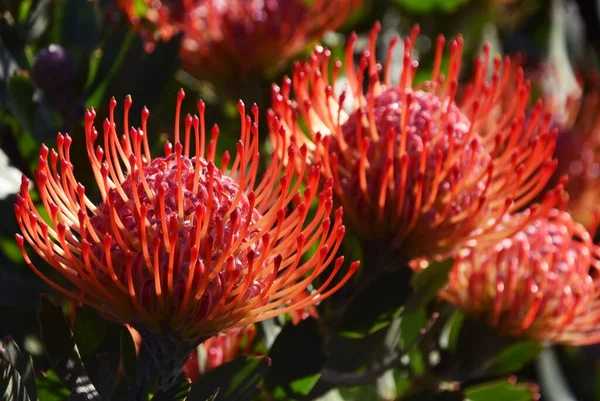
(542, 283)
(414, 167)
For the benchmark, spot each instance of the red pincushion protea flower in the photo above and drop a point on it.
(178, 248)
(231, 39)
(410, 165)
(542, 283)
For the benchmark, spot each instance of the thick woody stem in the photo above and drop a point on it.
(161, 358)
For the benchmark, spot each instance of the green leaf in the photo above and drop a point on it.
(50, 388)
(471, 357)
(128, 356)
(345, 354)
(436, 396)
(515, 357)
(19, 93)
(428, 284)
(505, 390)
(456, 324)
(63, 353)
(176, 392)
(358, 393)
(99, 343)
(296, 358)
(429, 6)
(235, 380)
(13, 42)
(115, 50)
(23, 12)
(38, 19)
(364, 317)
(103, 365)
(410, 327)
(22, 362)
(10, 381)
(140, 7)
(89, 330)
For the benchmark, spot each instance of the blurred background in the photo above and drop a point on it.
(61, 57)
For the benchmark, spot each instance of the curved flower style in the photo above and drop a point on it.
(408, 162)
(542, 283)
(179, 248)
(225, 39)
(574, 109)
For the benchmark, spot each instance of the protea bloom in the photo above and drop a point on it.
(411, 166)
(231, 39)
(542, 283)
(177, 247)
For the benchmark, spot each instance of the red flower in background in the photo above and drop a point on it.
(177, 247)
(578, 151)
(542, 283)
(234, 39)
(218, 350)
(410, 165)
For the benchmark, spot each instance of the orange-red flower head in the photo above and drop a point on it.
(178, 246)
(542, 283)
(411, 165)
(232, 39)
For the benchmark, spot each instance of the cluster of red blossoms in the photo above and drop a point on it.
(434, 170)
(189, 245)
(240, 38)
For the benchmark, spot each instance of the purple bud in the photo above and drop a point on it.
(53, 69)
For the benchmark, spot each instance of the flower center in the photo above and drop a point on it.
(173, 216)
(437, 171)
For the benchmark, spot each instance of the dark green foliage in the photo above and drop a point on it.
(17, 375)
(296, 359)
(235, 381)
(63, 353)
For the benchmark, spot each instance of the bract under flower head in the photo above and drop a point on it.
(410, 163)
(542, 283)
(177, 247)
(235, 39)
